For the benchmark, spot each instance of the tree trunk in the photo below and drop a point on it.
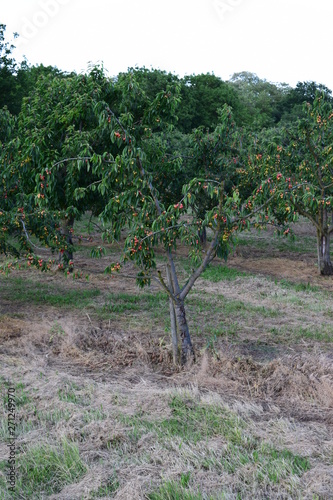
(323, 250)
(187, 351)
(178, 310)
(65, 230)
(174, 331)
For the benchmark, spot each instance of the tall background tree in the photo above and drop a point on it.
(7, 71)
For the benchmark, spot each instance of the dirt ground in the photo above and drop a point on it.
(285, 391)
(298, 267)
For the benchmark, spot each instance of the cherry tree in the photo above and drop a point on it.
(297, 172)
(150, 222)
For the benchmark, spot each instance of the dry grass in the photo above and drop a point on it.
(253, 418)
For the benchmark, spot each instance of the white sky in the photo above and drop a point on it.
(280, 40)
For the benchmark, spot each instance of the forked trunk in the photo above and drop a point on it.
(173, 319)
(187, 351)
(323, 250)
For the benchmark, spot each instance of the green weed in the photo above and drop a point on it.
(20, 395)
(194, 423)
(68, 394)
(54, 416)
(298, 287)
(190, 421)
(171, 490)
(107, 489)
(25, 290)
(296, 244)
(119, 303)
(94, 414)
(45, 469)
(56, 331)
(295, 334)
(222, 273)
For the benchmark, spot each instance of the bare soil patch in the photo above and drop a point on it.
(298, 270)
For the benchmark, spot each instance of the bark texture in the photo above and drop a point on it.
(187, 351)
(173, 319)
(65, 230)
(323, 250)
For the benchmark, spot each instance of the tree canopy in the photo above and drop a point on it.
(163, 162)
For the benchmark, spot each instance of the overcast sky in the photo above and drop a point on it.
(279, 40)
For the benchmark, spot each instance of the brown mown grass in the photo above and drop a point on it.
(103, 413)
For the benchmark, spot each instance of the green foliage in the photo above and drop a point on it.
(261, 102)
(18, 80)
(298, 171)
(107, 143)
(202, 96)
(7, 71)
(306, 92)
(42, 170)
(59, 161)
(143, 210)
(87, 142)
(7, 126)
(298, 176)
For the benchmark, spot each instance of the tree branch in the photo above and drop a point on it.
(28, 239)
(162, 283)
(210, 255)
(303, 212)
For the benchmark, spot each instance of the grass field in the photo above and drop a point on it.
(101, 412)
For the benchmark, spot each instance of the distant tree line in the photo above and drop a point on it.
(256, 103)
